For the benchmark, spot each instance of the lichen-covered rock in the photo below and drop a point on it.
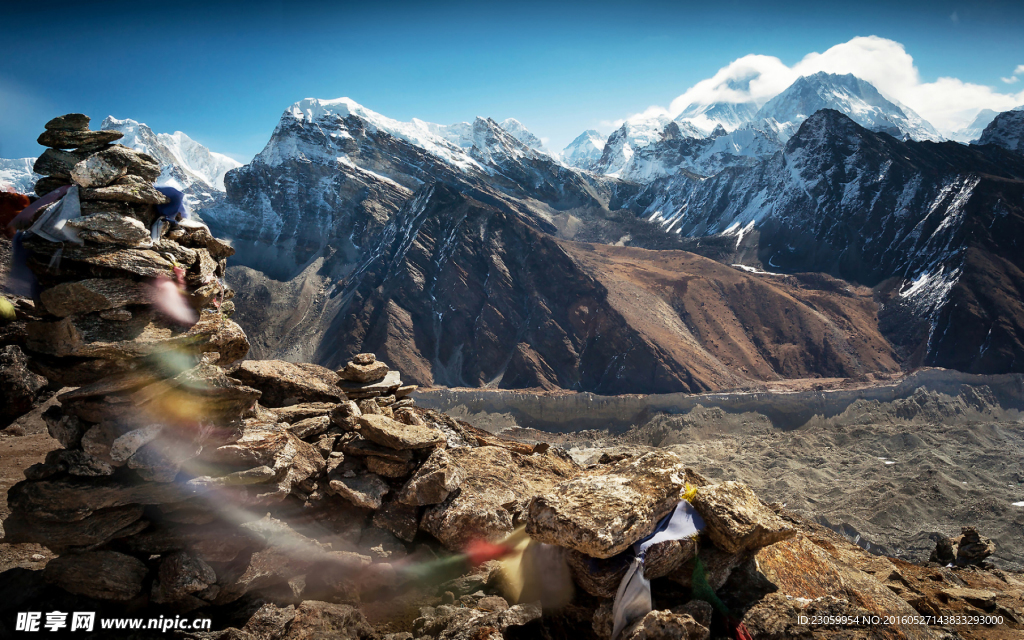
(310, 427)
(434, 481)
(496, 486)
(285, 383)
(389, 468)
(736, 518)
(366, 491)
(97, 171)
(395, 435)
(73, 138)
(108, 575)
(315, 620)
(666, 625)
(110, 228)
(127, 188)
(605, 510)
(364, 372)
(68, 122)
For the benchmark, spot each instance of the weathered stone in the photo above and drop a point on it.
(718, 566)
(212, 543)
(297, 412)
(202, 237)
(160, 461)
(72, 138)
(79, 463)
(972, 547)
(325, 445)
(65, 429)
(20, 388)
(391, 381)
(598, 576)
(45, 185)
(127, 188)
(665, 625)
(102, 526)
(131, 161)
(110, 228)
(107, 575)
(96, 171)
(117, 315)
(667, 557)
(98, 440)
(95, 294)
(381, 544)
(604, 511)
(285, 383)
(364, 372)
(310, 427)
(369, 406)
(182, 573)
(737, 520)
(315, 620)
(405, 390)
(389, 468)
(69, 122)
(270, 622)
(57, 164)
(141, 262)
(146, 334)
(395, 435)
(400, 519)
(81, 496)
(405, 416)
(126, 445)
(364, 358)
(434, 481)
(496, 486)
(203, 270)
(363, 491)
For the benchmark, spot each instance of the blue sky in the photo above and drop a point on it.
(224, 72)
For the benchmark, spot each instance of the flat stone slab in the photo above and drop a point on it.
(604, 511)
(389, 384)
(736, 518)
(396, 435)
(363, 491)
(287, 383)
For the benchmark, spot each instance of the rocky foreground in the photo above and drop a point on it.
(287, 500)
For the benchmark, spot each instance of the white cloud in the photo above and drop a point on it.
(948, 103)
(1016, 72)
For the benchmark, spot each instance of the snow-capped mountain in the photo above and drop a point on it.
(522, 134)
(729, 115)
(866, 207)
(633, 135)
(185, 164)
(585, 151)
(848, 94)
(17, 174)
(971, 132)
(1005, 130)
(334, 172)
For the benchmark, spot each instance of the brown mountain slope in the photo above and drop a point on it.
(464, 291)
(729, 326)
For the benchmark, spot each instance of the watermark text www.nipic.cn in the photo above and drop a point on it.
(29, 621)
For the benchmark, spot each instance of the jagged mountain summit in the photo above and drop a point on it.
(585, 151)
(1006, 130)
(728, 115)
(185, 164)
(973, 131)
(519, 131)
(848, 94)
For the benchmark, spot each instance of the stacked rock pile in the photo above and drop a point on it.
(96, 262)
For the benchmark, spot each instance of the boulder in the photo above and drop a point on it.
(433, 482)
(364, 358)
(98, 528)
(285, 383)
(55, 163)
(310, 427)
(490, 500)
(665, 625)
(364, 372)
(96, 171)
(94, 294)
(365, 491)
(127, 188)
(972, 548)
(68, 122)
(107, 575)
(604, 511)
(315, 620)
(395, 435)
(736, 518)
(73, 138)
(20, 388)
(182, 573)
(389, 468)
(76, 498)
(110, 228)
